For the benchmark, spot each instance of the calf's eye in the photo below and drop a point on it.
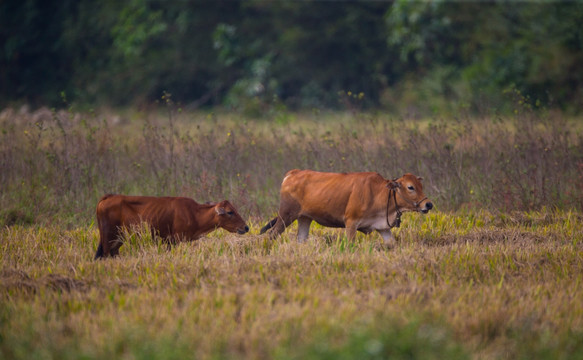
(410, 188)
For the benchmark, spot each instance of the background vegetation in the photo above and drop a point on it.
(409, 57)
(58, 164)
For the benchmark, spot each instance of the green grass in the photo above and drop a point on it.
(510, 287)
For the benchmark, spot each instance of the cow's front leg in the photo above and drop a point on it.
(350, 229)
(388, 238)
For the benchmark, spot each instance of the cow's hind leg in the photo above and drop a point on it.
(268, 226)
(280, 226)
(103, 250)
(115, 245)
(303, 228)
(283, 221)
(99, 252)
(109, 241)
(289, 211)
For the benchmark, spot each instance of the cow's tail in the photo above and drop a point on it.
(99, 253)
(268, 226)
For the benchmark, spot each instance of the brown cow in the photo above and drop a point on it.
(172, 218)
(363, 201)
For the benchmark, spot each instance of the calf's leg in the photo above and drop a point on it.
(104, 236)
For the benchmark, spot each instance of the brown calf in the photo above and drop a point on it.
(172, 218)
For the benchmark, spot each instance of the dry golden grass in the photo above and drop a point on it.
(468, 284)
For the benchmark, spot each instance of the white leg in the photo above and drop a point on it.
(303, 228)
(388, 238)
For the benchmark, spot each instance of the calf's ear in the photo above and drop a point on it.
(220, 210)
(419, 178)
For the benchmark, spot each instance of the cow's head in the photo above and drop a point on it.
(229, 218)
(409, 193)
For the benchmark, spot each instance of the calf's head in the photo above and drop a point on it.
(229, 219)
(409, 193)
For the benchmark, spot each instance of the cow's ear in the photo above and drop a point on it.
(220, 210)
(419, 178)
(393, 184)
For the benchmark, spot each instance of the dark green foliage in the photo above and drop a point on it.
(34, 59)
(421, 56)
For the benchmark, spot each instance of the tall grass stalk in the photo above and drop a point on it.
(56, 165)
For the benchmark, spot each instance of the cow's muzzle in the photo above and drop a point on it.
(428, 206)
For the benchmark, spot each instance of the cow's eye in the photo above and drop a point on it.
(410, 188)
(230, 213)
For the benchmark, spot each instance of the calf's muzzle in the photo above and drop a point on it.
(243, 230)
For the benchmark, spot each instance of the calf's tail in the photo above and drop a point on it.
(268, 226)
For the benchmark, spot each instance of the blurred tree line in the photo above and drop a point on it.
(428, 56)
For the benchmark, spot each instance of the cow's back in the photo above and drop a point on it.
(124, 210)
(327, 197)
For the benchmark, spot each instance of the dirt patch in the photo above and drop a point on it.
(487, 236)
(64, 283)
(12, 280)
(17, 280)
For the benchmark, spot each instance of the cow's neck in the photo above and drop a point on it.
(206, 220)
(393, 211)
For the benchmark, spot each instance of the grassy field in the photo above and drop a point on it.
(469, 285)
(495, 272)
